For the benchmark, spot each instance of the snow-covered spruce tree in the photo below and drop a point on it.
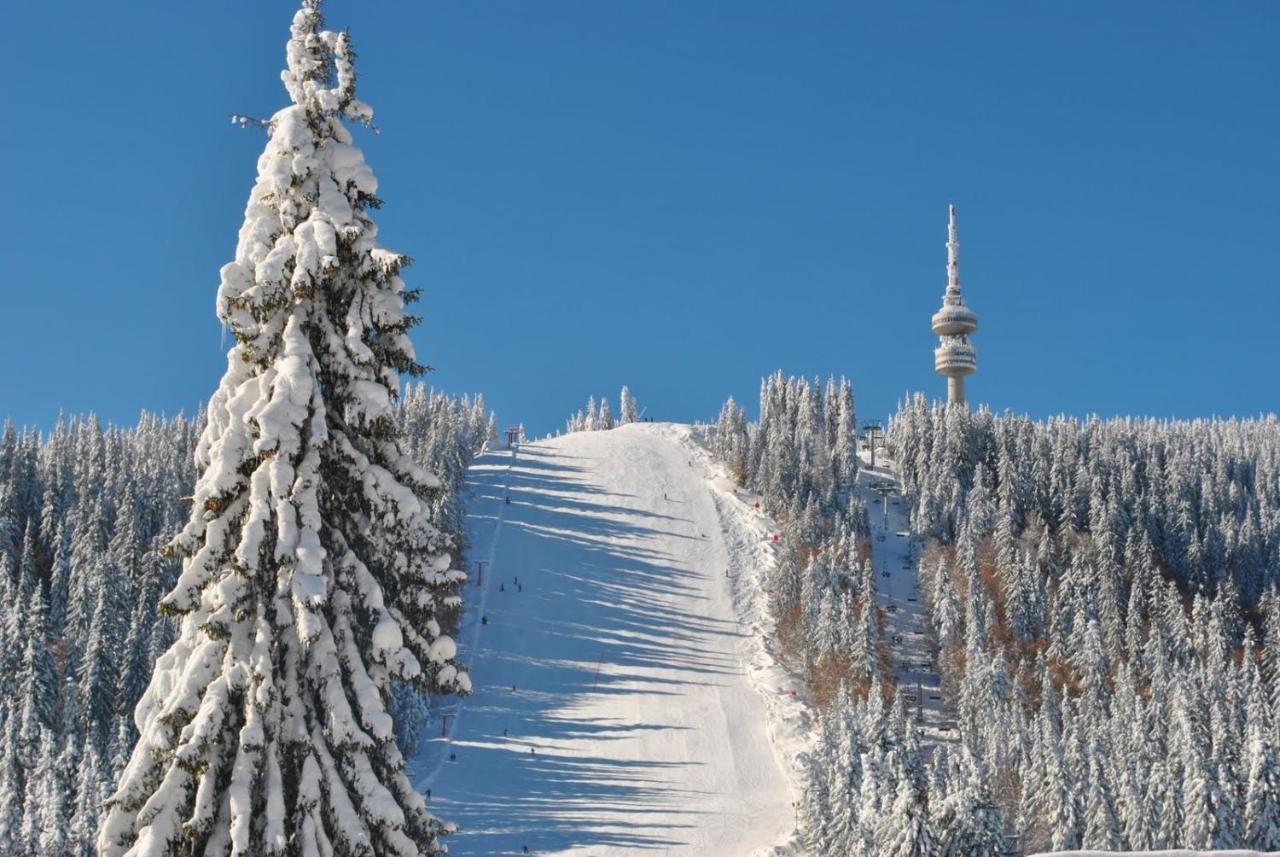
(1262, 808)
(905, 831)
(312, 576)
(627, 407)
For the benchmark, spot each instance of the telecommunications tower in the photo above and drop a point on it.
(954, 356)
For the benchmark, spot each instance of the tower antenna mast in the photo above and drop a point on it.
(954, 357)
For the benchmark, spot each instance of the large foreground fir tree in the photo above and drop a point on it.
(312, 577)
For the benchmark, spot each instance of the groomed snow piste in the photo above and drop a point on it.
(623, 703)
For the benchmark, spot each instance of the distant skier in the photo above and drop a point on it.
(484, 620)
(502, 587)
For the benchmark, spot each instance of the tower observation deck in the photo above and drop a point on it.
(953, 323)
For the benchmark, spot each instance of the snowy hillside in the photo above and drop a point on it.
(622, 704)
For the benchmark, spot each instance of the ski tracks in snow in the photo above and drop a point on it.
(623, 702)
(471, 622)
(748, 535)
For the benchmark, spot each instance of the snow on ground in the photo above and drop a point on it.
(625, 699)
(894, 557)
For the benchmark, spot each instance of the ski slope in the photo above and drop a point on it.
(623, 703)
(906, 622)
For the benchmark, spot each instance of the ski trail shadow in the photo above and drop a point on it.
(586, 601)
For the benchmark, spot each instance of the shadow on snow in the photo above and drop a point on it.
(600, 627)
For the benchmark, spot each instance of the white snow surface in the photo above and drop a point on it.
(636, 671)
(895, 560)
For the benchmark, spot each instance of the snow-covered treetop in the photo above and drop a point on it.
(313, 575)
(315, 57)
(307, 205)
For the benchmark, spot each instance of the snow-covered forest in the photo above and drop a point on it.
(84, 513)
(600, 417)
(218, 625)
(870, 786)
(1098, 595)
(243, 632)
(801, 457)
(1103, 596)
(314, 580)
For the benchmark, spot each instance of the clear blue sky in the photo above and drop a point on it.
(677, 196)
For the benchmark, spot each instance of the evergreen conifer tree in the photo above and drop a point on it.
(905, 831)
(1262, 795)
(12, 786)
(627, 407)
(312, 576)
(38, 684)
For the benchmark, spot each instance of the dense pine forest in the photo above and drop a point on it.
(328, 614)
(85, 512)
(1098, 592)
(801, 456)
(1098, 597)
(1103, 597)
(870, 784)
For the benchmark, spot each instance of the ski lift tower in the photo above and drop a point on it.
(884, 488)
(872, 432)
